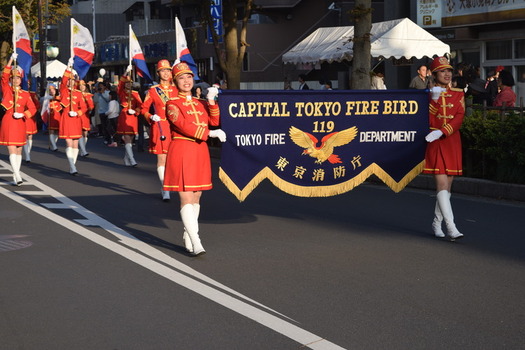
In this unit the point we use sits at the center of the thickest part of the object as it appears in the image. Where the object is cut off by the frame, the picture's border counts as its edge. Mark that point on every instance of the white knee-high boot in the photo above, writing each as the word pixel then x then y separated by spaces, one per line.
pixel 191 226
pixel 27 149
pixel 71 154
pixel 53 138
pixel 53 141
pixel 128 147
pixel 165 194
pixel 445 207
pixel 82 146
pixel 438 220
pixel 16 163
pixel 185 236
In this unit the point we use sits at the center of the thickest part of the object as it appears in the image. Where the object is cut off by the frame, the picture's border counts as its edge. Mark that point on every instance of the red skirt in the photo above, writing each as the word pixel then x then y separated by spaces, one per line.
pixel 31 128
pixel 156 145
pixel 12 131
pixel 85 122
pixel 54 120
pixel 444 156
pixel 70 127
pixel 188 166
pixel 127 124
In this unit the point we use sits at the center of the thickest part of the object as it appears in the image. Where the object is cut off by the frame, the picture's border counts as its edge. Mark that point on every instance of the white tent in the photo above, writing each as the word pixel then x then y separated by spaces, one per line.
pixel 54 69
pixel 396 38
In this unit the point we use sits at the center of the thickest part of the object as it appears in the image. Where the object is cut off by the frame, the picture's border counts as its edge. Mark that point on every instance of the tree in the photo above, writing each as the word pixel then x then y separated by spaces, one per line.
pixel 28 9
pixel 230 54
pixel 362 15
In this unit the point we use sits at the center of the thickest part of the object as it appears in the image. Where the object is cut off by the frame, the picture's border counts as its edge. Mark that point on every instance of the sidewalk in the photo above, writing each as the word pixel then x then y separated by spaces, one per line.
pixel 462 184
pixel 475 187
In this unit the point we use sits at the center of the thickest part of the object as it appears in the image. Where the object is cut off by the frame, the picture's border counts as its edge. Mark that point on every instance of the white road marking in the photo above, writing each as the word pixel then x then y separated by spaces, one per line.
pixel 265 318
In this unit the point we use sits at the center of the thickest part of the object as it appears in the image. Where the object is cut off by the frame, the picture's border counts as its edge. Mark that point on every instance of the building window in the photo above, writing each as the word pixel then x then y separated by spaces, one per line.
pixel 521 75
pixel 245 63
pixel 519 48
pixel 499 50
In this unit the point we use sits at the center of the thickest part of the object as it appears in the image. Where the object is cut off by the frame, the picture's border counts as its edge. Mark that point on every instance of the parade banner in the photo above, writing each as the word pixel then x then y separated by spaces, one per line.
pixel 321 143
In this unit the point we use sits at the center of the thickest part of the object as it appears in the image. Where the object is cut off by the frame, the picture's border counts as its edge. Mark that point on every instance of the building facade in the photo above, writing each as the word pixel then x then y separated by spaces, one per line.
pixel 484 34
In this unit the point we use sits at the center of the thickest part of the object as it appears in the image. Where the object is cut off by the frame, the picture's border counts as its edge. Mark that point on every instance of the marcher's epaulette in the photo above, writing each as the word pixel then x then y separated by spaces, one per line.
pixel 456 89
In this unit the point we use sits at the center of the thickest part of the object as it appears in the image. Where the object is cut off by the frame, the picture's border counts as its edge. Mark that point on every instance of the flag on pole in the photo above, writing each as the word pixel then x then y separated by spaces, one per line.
pixel 136 55
pixel 45 111
pixel 183 53
pixel 22 46
pixel 82 48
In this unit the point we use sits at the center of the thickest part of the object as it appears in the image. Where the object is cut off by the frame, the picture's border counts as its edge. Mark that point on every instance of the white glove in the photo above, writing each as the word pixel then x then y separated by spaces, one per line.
pixel 70 62
pixel 131 111
pixel 155 118
pixel 14 56
pixel 18 115
pixel 73 113
pixel 212 93
pixel 218 133
pixel 434 135
pixel 129 68
pixel 436 92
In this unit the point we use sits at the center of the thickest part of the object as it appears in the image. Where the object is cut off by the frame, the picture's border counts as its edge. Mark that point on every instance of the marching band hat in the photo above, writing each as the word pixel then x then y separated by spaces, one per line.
pixel 181 68
pixel 18 72
pixel 163 64
pixel 439 63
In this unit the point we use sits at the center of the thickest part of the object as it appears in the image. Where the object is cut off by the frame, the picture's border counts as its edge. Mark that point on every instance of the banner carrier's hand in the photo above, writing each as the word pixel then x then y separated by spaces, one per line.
pixel 218 133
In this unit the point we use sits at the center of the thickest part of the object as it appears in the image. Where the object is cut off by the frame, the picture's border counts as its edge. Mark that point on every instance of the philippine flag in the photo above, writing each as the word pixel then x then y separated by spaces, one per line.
pixel 22 46
pixel 183 53
pixel 82 48
pixel 45 111
pixel 135 52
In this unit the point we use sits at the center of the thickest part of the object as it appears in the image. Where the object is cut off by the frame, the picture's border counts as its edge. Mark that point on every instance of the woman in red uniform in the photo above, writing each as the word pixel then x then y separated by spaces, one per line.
pixel 127 124
pixel 19 107
pixel 157 96
pixel 31 127
pixel 73 105
pixel 86 117
pixel 52 116
pixel 188 167
pixel 443 155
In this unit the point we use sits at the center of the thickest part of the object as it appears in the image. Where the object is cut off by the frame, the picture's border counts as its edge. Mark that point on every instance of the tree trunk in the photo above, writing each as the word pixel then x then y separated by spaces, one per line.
pixel 234 40
pixel 362 15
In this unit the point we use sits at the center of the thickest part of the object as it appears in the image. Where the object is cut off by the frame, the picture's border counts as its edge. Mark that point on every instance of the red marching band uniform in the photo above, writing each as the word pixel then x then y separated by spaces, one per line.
pixel 53 118
pixel 188 167
pixel 31 127
pixel 13 132
pixel 446 114
pixel 90 105
pixel 71 100
pixel 158 96
pixel 127 124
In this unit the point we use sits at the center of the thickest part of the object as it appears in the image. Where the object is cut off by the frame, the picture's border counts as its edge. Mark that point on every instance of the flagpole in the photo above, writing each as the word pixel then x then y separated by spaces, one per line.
pixel 13 72
pixel 72 55
pixel 131 80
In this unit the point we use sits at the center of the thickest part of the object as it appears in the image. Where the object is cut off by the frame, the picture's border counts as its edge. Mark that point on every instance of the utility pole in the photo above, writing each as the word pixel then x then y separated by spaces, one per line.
pixel 42 47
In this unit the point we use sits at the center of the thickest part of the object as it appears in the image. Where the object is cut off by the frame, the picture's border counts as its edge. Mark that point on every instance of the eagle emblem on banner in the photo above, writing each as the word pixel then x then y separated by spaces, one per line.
pixel 325 151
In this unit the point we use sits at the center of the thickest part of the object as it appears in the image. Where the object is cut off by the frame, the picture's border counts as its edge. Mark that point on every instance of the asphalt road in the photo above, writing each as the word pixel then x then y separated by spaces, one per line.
pixel 97 262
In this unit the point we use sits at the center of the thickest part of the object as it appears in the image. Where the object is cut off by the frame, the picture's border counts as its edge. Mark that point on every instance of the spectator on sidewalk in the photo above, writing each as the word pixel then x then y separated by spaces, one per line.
pixel 420 81
pixel 506 97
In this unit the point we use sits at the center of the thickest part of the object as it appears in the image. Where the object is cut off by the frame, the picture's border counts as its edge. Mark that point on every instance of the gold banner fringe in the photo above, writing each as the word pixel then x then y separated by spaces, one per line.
pixel 319 191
